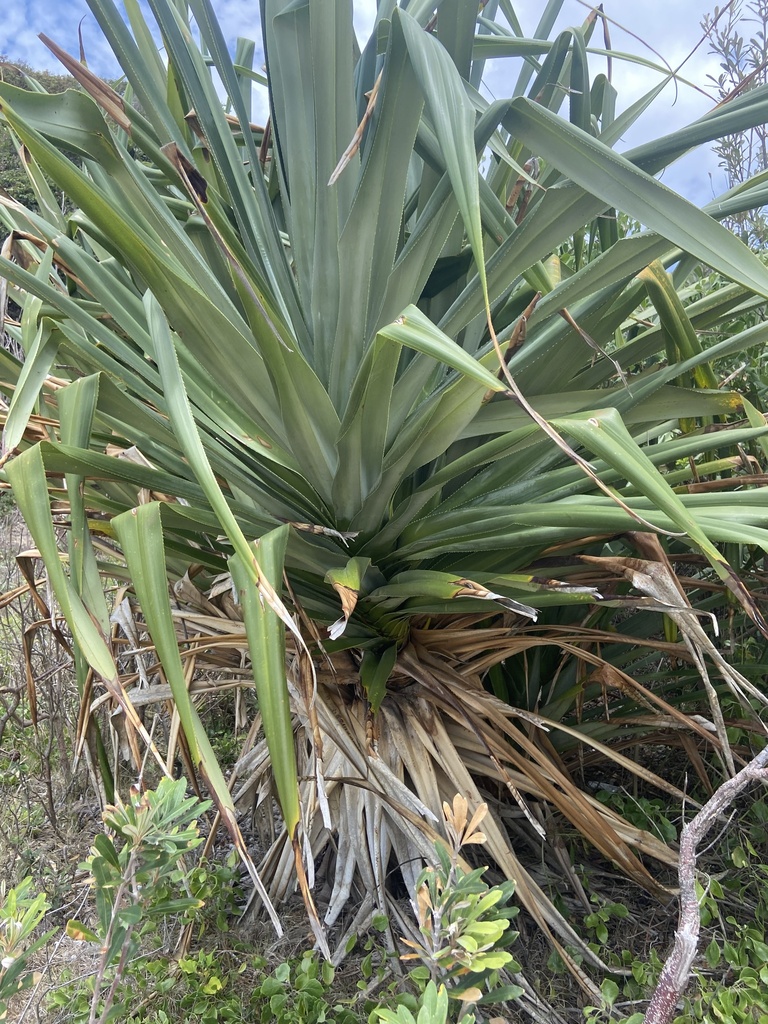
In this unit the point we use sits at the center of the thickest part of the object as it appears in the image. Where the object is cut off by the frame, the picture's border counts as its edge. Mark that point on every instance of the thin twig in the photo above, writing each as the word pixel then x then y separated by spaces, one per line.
pixel 47 967
pixel 357 138
pixel 117 906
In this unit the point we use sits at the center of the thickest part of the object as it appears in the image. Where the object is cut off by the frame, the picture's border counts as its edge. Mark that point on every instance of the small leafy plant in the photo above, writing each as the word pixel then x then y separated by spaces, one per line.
pixel 298 993
pixel 20 914
pixel 219 986
pixel 217 887
pixel 645 813
pixel 433 1009
pixel 464 924
pixel 137 885
pixel 597 922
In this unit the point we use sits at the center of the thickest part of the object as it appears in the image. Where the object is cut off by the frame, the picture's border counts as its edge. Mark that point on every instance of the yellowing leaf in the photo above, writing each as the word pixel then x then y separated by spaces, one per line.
pixel 468 995
pixel 77 931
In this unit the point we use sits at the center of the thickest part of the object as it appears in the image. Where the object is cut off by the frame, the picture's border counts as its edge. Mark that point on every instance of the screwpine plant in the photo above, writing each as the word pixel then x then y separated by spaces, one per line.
pixel 383 391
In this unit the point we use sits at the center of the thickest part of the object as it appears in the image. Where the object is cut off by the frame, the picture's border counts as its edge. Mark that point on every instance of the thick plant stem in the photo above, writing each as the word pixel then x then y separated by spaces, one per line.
pixel 677 970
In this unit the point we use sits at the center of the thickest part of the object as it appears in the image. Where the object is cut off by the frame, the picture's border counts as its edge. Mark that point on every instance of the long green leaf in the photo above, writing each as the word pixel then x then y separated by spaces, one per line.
pixel 34 371
pixel 605 434
pixel 184 424
pixel 371 234
pixel 453 119
pixel 675 321
pixel 266 641
pixel 27 476
pixel 77 408
pixel 416 331
pixel 140 533
pixel 141 538
pixel 621 184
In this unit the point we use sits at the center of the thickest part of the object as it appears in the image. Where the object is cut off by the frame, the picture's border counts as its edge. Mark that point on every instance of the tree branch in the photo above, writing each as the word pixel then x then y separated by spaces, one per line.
pixel 677 970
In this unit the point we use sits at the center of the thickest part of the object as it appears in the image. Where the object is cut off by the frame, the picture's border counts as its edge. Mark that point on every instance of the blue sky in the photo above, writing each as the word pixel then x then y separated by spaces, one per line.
pixel 673 25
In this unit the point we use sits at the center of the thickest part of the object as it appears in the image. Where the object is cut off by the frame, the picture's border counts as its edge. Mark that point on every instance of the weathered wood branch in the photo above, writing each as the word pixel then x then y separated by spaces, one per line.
pixel 677 969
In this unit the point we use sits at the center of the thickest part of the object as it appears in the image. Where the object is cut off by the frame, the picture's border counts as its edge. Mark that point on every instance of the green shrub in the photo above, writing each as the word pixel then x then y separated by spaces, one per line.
pixel 20 914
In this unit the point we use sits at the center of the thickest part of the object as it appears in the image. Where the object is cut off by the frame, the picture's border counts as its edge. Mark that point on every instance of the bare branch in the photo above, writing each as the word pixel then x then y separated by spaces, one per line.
pixel 677 970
